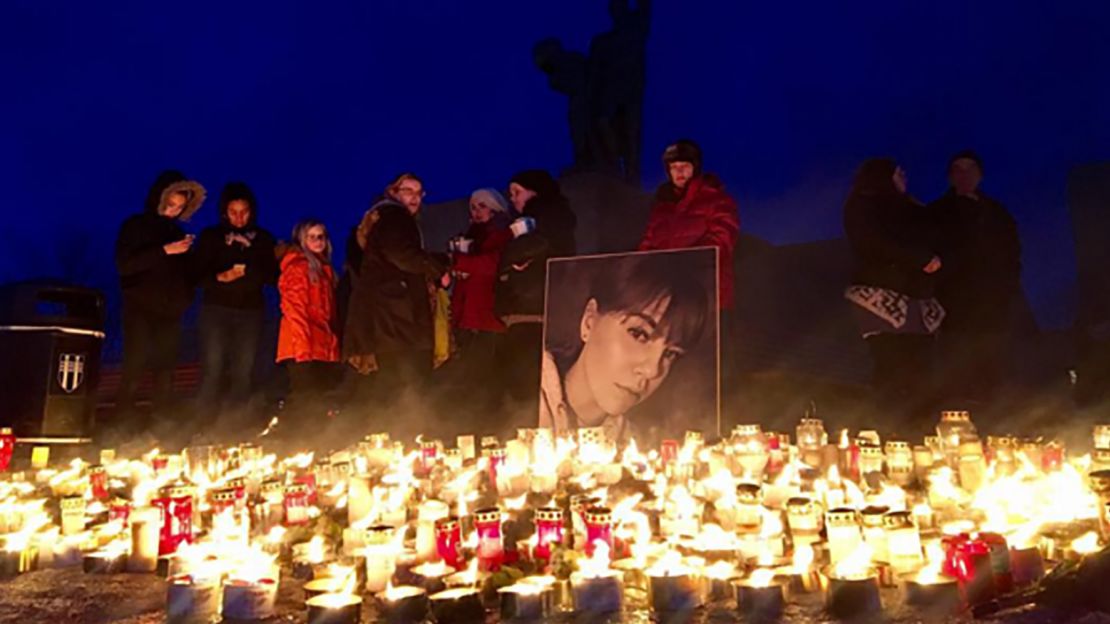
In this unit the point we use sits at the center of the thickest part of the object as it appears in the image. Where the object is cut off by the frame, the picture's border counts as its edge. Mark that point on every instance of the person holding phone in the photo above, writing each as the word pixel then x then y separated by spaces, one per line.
pixel 153 255
pixel 235 261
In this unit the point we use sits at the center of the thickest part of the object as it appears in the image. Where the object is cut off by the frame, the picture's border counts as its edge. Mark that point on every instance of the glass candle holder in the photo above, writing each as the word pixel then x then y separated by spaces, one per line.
pixel 1101 436
pixel 491 549
pixel 668 451
pixel 811 438
pixel 870 458
pixel 223 500
pixel 749 506
pixel 843 530
pixel 803 515
pixel 549 531
pixel 296 504
pixel 496 457
pixel 98 482
pixel 903 541
pixel 449 541
pixel 749 450
pixel 599 528
pixel 899 461
pixel 953 428
pixel 175 503
pixel 7 447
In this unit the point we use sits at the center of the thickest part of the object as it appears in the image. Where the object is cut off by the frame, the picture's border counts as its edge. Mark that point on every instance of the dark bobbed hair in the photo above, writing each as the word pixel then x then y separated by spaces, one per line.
pixel 875 177
pixel 633 283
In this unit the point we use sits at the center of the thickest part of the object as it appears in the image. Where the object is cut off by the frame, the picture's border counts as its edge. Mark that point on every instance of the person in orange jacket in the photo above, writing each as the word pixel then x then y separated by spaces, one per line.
pixel 307 341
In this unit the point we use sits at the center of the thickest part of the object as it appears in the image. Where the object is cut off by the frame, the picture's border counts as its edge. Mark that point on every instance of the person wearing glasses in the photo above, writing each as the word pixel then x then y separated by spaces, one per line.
pixel 307 342
pixel 389 328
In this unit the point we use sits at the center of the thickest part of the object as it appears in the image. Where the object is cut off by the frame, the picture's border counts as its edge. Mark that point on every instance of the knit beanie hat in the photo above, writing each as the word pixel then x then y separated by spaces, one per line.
pixel 683 150
pixel 492 198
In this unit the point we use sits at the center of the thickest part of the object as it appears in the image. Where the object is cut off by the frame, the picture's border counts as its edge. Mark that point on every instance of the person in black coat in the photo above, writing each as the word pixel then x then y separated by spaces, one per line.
pixel 978 239
pixel 891 236
pixel 152 256
pixel 234 260
pixel 545 229
pixel 389 315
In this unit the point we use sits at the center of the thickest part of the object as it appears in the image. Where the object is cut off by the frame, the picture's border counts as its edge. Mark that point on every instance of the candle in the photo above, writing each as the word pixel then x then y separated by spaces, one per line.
pixel 175 504
pixel 599 529
pixel 549 531
pixel 749 506
pixel 7 447
pixel 325 585
pixel 449 541
pixel 803 516
pixel 974 571
pixel 404 604
pixel 1027 566
pixel 73 515
pixel 760 596
pixel 1000 562
pixel 525 601
pixel 431 576
pixel 874 533
pixel 335 609
pixel 40 457
pixel 903 542
pixel 381 563
pixel 146 527
pixel 192 602
pixel 359 502
pixel 843 533
pixel 429 512
pixel 457 606
pixel 98 482
pixel 296 504
pixel 932 591
pixel 244 600
pixel 853 597
pixel 491 550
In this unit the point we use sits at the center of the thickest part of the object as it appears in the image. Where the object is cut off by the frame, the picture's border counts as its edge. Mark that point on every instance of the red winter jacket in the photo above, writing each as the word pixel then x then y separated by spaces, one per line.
pixel 306 333
pixel 705 215
pixel 472 299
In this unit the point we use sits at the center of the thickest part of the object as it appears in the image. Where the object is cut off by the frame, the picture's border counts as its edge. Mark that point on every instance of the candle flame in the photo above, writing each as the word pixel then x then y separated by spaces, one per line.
pixel 761 577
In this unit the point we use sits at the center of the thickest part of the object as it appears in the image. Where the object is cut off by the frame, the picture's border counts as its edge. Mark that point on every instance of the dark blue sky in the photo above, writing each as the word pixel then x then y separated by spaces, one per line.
pixel 317 104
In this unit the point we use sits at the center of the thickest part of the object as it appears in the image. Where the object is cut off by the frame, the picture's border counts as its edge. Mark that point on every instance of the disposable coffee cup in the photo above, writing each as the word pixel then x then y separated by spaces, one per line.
pixel 522 226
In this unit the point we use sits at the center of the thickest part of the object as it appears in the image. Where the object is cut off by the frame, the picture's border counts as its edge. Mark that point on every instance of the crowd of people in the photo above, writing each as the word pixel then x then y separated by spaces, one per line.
pixel 379 326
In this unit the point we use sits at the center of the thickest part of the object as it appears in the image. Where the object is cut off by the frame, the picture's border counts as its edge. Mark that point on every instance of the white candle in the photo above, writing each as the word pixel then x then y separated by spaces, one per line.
pixel 466 445
pixel 146 523
pixel 429 512
pixel 73 515
pixel 381 563
pixel 359 502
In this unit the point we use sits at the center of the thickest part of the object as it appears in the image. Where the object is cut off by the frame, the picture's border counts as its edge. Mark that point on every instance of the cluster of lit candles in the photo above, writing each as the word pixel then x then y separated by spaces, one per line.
pixel 539 525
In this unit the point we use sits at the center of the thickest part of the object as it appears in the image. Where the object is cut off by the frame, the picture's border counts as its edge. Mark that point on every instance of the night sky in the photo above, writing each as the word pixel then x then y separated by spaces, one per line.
pixel 316 105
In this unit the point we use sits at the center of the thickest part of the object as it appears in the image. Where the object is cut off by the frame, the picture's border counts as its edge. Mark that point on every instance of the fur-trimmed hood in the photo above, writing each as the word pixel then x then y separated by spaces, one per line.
pixel 169 182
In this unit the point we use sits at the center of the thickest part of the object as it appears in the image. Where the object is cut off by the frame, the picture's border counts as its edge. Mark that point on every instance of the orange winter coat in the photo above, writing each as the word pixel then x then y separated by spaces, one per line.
pixel 307 331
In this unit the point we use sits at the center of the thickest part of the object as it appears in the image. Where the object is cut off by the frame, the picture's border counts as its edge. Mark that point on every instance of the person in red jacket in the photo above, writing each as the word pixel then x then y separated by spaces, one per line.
pixel 692 209
pixel 307 341
pixel 475 257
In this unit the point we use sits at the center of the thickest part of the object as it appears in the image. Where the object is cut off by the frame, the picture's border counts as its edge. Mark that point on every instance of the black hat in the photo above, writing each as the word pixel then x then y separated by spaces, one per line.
pixel 537 180
pixel 683 150
pixel 968 154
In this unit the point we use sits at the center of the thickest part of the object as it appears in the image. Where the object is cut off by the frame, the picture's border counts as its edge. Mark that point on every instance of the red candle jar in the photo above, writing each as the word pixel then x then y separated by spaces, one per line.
pixel 296 504
pixel 223 501
pixel 449 542
pixel 1052 456
pixel 599 528
pixel 119 510
pixel 668 451
pixel 308 480
pixel 98 482
pixel 491 549
pixel 1000 562
pixel 951 544
pixel 579 503
pixel 239 485
pixel 549 531
pixel 175 502
pixel 159 463
pixel 974 571
pixel 7 447
pixel 775 461
pixel 429 455
pixel 496 458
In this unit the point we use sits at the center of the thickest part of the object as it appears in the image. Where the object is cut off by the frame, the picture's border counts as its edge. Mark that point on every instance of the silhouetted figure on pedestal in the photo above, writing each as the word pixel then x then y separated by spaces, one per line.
pixel 617 69
pixel 567 74
pixel 605 90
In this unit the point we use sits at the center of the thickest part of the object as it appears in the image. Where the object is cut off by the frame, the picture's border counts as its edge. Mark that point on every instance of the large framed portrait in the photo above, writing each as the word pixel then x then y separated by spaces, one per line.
pixel 631 344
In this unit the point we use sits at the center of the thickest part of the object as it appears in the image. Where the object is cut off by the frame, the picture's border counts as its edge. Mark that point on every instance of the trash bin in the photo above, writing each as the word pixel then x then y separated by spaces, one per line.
pixel 51 335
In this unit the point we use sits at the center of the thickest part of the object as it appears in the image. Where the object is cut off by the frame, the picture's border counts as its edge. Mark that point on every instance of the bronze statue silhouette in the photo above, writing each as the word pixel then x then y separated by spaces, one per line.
pixel 605 90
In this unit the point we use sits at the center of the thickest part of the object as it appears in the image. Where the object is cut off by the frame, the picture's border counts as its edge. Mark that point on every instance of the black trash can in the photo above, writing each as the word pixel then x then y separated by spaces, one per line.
pixel 51 335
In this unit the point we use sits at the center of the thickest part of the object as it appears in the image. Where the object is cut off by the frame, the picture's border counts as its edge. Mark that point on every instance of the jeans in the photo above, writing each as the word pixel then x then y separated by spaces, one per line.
pixel 150 343
pixel 228 346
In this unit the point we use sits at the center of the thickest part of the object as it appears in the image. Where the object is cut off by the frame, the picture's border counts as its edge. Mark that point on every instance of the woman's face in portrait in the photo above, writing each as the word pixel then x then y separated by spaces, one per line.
pixel 625 355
